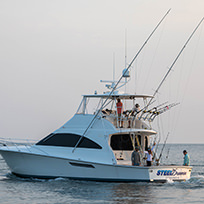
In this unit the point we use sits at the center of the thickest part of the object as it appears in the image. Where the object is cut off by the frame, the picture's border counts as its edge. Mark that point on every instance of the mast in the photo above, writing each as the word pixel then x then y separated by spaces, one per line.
pixel 124 73
pixel 174 62
pixel 125 47
pixel 125 59
pixel 113 66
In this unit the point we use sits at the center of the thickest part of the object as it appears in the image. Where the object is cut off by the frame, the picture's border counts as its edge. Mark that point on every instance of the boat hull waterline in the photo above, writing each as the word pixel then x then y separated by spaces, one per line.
pixel 30 165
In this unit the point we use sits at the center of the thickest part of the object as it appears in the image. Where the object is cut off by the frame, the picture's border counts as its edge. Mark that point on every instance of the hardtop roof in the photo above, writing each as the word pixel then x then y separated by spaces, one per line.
pixel 121 96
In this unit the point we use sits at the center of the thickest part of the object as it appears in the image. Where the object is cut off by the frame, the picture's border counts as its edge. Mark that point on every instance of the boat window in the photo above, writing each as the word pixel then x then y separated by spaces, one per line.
pixel 146 143
pixel 121 142
pixel 68 140
pixel 46 138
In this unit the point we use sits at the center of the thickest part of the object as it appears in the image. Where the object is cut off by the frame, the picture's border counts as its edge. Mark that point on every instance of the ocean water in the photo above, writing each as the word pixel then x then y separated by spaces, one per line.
pixel 60 191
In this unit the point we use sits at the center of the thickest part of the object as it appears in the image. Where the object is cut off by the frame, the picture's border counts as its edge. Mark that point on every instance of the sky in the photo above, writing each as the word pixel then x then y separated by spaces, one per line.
pixel 54 51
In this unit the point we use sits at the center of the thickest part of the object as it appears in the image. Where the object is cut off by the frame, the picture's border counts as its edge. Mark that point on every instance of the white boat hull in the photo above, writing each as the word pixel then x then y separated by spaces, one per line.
pixel 41 166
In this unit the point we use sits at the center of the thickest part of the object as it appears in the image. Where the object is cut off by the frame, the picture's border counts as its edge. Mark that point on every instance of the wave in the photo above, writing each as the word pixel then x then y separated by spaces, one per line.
pixel 199 179
pixel 196 181
pixel 170 181
pixel 14 177
pixel 198 165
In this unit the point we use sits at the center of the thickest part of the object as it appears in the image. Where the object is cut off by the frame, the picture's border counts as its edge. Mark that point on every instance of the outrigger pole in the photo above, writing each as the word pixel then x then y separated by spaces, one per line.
pixel 174 62
pixel 168 74
pixel 124 73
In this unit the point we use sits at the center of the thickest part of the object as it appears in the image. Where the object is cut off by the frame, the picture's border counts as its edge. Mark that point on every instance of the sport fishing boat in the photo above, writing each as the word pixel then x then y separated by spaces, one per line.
pixel 97 142
pixel 92 145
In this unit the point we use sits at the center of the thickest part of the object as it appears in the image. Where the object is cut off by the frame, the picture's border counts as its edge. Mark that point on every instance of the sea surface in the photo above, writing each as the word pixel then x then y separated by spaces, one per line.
pixel 59 191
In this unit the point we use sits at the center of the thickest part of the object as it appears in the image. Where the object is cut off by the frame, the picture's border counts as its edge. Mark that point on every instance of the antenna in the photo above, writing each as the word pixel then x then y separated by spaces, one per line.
pixel 113 66
pixel 126 75
pixel 125 47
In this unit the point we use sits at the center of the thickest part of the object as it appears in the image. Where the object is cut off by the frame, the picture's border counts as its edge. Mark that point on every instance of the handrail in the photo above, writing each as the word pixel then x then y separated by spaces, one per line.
pixel 10 142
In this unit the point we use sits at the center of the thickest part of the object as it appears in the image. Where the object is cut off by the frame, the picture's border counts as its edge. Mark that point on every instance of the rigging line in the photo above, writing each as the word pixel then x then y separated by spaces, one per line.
pixel 182 98
pixel 120 79
pixel 163 147
pixel 177 57
pixel 135 69
pixel 157 144
pixel 186 86
pixel 180 75
pixel 191 67
pixel 140 69
pixel 107 104
pixel 159 134
pixel 180 80
pixel 175 115
pixel 153 58
pixel 162 126
pixel 168 95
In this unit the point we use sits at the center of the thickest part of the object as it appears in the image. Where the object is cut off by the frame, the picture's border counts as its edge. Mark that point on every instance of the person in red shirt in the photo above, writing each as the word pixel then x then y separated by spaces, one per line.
pixel 119 105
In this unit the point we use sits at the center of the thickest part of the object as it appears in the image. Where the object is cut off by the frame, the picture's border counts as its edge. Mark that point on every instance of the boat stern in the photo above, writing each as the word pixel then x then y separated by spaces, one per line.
pixel 170 173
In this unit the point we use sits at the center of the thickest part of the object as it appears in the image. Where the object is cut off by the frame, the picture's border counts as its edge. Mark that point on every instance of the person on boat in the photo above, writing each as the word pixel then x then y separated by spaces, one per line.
pixel 119 105
pixel 135 157
pixel 186 158
pixel 149 154
pixel 136 109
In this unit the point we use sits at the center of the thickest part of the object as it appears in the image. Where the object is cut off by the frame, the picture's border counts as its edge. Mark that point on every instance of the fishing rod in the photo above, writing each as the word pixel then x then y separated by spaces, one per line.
pixel 162 110
pixel 162 148
pixel 174 62
pixel 167 107
pixel 137 112
pixel 156 107
pixel 156 145
pixel 142 110
pixel 149 112
pixel 167 155
pixel 124 73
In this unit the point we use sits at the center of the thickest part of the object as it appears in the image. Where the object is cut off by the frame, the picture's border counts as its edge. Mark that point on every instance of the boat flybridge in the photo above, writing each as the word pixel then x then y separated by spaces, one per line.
pixel 93 145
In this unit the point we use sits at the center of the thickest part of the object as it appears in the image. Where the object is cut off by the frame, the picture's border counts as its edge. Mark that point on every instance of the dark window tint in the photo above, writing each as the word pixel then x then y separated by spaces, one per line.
pixel 87 143
pixel 146 143
pixel 68 140
pixel 121 142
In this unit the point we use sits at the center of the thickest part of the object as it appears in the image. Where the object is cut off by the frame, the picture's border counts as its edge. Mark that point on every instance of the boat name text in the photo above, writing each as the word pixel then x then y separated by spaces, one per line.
pixel 170 173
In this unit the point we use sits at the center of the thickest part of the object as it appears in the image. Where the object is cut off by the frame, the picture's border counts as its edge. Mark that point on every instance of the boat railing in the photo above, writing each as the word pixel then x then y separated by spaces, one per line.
pixel 128 121
pixel 10 143
pixel 15 142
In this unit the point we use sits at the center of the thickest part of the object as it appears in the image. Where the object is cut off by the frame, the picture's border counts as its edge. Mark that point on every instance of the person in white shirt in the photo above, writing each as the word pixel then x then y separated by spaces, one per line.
pixel 135 111
pixel 149 154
